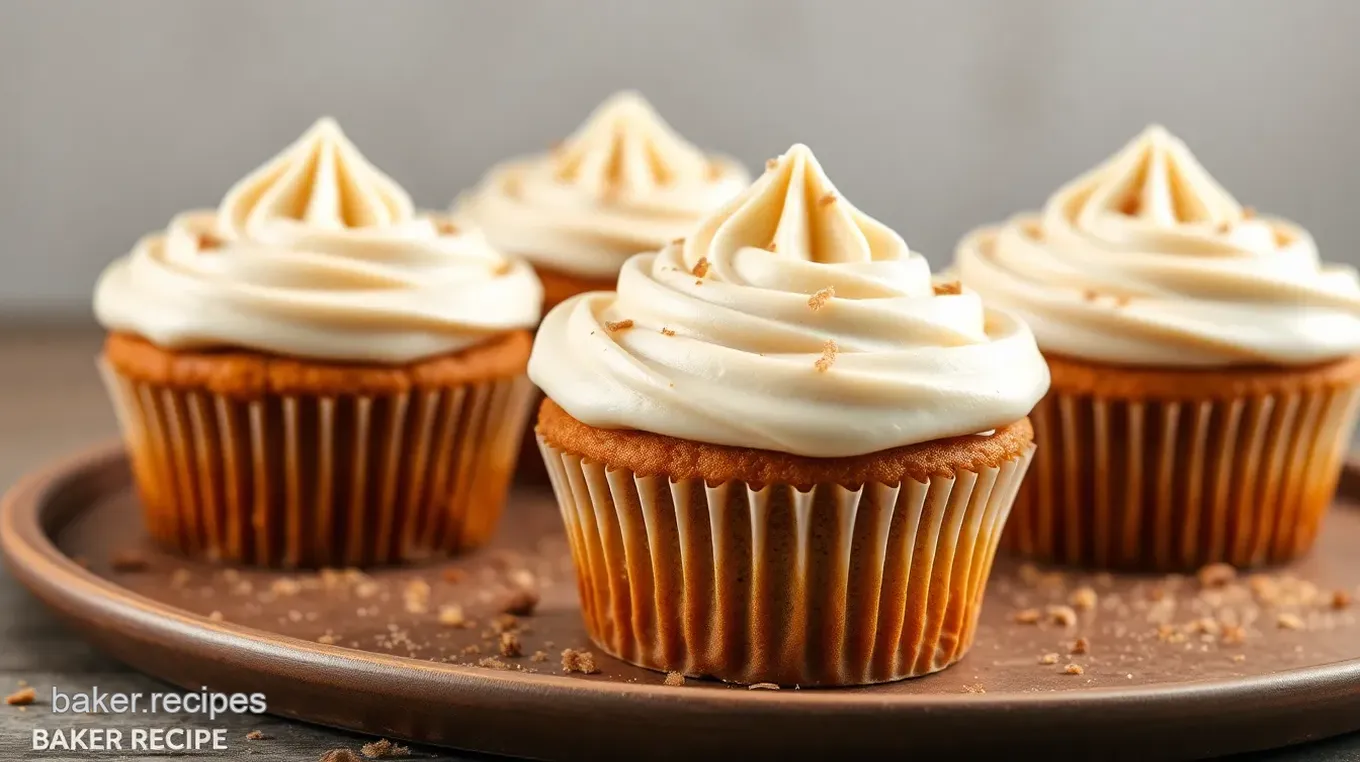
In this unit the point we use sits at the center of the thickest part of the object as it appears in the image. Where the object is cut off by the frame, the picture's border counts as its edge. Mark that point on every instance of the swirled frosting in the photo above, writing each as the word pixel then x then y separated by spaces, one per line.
pixel 1148 261
pixel 624 183
pixel 788 321
pixel 318 254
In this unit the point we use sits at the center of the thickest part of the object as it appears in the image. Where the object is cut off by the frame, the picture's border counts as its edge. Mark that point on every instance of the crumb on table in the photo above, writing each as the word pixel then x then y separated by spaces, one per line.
pixel 383 749
pixel 579 661
pixel 22 697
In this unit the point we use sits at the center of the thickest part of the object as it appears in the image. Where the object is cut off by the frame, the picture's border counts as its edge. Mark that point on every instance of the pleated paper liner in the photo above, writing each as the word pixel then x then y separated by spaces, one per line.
pixel 1175 485
pixel 830 586
pixel 297 481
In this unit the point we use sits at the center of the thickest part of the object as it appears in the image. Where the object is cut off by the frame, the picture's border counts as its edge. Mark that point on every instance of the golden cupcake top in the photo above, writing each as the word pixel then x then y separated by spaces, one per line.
pixel 1148 260
pixel 622 183
pixel 318 254
pixel 789 320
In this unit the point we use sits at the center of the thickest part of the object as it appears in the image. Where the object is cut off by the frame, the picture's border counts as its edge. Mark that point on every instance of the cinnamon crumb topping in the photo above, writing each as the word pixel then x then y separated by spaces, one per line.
pixel 772 247
pixel 618 325
pixel 579 661
pixel 1233 634
pixel 208 242
pixel 446 227
pixel 674 679
pixel 383 749
pixel 1340 599
pixel 22 697
pixel 1083 598
pixel 1239 658
pixel 827 200
pixel 1062 615
pixel 771 164
pixel 828 358
pixel 1216 575
pixel 819 299
pixel 1028 616
pixel 700 267
pixel 510 645
pixel 539 656
pixel 255 735
pixel 472 650
pixel 452 616
pixel 667 332
pixel 1288 621
pixel 340 755
pixel 1090 295
pixel 952 288
pixel 505 623
pixel 1048 659
pixel 1073 669
pixel 492 662
pixel 1080 646
pixel 523 601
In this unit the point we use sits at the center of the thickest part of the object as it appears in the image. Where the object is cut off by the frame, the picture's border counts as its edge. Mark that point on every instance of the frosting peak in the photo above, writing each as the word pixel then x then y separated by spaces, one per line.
pixel 318 254
pixel 1146 260
pixel 834 344
pixel 320 181
pixel 626 149
pixel 795 210
pixel 622 183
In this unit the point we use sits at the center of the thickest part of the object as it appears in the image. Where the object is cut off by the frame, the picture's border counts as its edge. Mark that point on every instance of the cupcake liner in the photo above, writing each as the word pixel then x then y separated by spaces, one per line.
pixel 827 586
pixel 1174 485
pixel 297 481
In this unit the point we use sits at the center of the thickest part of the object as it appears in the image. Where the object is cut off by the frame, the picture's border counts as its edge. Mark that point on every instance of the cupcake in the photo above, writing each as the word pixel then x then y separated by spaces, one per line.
pixel 317 374
pixel 781 454
pixel 624 183
pixel 1204 367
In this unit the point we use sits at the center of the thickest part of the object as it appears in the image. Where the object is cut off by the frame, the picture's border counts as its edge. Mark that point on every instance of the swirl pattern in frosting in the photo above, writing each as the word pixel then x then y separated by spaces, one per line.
pixel 319 255
pixel 1147 261
pixel 788 321
pixel 624 183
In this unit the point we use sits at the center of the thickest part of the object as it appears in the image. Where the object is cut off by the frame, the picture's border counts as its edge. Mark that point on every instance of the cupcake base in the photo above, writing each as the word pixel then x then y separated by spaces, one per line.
pixel 277 462
pixel 1170 470
pixel 750 566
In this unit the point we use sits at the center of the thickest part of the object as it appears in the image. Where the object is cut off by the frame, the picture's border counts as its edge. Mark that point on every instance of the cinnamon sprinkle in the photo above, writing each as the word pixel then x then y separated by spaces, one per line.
pixel 827 200
pixel 700 267
pixel 678 241
pixel 952 288
pixel 771 164
pixel 828 358
pixel 618 325
pixel 667 332
pixel 819 299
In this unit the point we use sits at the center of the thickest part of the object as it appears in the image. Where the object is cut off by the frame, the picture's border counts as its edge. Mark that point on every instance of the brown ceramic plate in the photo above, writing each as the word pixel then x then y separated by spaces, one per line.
pixel 1171 669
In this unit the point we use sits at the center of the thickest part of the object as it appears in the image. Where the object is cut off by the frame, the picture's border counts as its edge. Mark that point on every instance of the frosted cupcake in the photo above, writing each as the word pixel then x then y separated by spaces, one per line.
pixel 780 453
pixel 1204 367
pixel 624 183
pixel 316 373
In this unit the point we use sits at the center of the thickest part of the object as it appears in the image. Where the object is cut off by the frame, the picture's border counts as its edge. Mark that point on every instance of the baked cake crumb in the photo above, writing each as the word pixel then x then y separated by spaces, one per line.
pixel 22 697
pixel 492 662
pixel 1048 659
pixel 510 645
pixel 1062 615
pixel 1216 575
pixel 539 656
pixel 819 299
pixel 674 679
pixel 452 616
pixel 667 332
pixel 700 268
pixel 521 602
pixel 1073 669
pixel 255 735
pixel 1084 598
pixel 383 749
pixel 1239 658
pixel 1027 616
pixel 618 325
pixel 1080 646
pixel 578 661
pixel 129 561
pixel 829 350
pixel 763 687
pixel 1288 621
pixel 1340 599
pixel 1233 634
pixel 340 755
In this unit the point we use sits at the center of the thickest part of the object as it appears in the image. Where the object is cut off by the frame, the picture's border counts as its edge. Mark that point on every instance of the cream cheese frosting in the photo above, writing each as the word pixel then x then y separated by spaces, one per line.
pixel 318 254
pixel 1147 261
pixel 623 183
pixel 788 321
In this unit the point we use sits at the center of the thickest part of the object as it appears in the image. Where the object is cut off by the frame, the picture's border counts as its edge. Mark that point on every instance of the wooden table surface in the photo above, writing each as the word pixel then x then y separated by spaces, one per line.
pixel 51 404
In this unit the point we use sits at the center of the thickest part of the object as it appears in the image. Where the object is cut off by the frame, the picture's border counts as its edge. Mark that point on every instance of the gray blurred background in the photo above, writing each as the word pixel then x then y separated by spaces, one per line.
pixel 932 116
